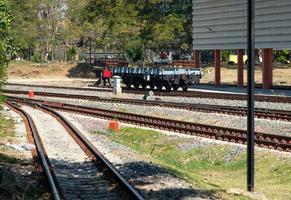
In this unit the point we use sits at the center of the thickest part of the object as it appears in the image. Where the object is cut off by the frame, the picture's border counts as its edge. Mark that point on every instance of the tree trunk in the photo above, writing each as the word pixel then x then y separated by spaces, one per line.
pixel 65 55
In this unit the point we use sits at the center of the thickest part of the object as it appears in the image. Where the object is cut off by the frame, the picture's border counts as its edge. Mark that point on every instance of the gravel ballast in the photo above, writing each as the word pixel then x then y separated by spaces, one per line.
pixel 236 122
pixel 73 169
pixel 151 180
pixel 265 105
pixel 19 178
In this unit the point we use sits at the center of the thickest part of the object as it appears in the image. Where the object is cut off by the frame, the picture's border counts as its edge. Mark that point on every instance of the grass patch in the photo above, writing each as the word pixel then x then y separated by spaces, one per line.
pixel 122 110
pixel 212 167
pixel 6 127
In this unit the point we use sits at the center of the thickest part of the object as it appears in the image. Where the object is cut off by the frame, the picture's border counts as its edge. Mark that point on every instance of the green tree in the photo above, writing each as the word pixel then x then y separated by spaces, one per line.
pixel 40 27
pixel 282 56
pixel 24 25
pixel 124 23
pixel 6 43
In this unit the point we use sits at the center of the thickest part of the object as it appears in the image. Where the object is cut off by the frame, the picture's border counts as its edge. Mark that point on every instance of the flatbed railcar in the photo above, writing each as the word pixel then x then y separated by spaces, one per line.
pixel 158 77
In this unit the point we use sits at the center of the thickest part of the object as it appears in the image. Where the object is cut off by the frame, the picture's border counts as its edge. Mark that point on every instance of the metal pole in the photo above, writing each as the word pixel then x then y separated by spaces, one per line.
pixel 90 50
pixel 251 97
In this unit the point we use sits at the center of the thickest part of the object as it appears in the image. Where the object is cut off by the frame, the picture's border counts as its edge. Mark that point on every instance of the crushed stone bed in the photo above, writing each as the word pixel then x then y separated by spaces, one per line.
pixel 151 180
pixel 19 180
pixel 266 105
pixel 73 169
pixel 236 122
pixel 140 171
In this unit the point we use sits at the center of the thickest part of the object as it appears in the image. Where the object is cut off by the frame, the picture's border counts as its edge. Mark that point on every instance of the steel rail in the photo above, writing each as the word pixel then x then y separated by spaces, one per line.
pixel 237 111
pixel 90 150
pixel 193 94
pixel 39 147
pixel 134 194
pixel 278 142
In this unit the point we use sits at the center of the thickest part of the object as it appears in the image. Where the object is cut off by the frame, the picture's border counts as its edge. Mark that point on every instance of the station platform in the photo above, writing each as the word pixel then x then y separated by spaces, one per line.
pixel 238 90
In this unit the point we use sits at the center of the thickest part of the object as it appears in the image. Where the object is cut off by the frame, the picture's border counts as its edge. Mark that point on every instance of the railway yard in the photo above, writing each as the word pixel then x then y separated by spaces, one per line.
pixel 154 100
pixel 155 155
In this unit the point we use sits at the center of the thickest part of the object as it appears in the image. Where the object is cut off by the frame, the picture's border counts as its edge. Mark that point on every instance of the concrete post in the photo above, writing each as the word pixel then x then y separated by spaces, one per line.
pixel 217 55
pixel 240 69
pixel 117 85
pixel 267 68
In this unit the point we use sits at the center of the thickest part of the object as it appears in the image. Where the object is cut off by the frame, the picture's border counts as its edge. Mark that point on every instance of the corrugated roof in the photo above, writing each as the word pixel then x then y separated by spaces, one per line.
pixel 221 24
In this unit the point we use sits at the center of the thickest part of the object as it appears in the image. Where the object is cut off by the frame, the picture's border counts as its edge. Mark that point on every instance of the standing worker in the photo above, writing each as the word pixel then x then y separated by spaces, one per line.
pixel 98 72
pixel 106 76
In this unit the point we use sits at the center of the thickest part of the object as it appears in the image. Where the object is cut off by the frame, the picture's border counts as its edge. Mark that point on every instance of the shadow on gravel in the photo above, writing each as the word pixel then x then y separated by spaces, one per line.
pixel 152 181
pixel 161 183
pixel 81 70
pixel 18 180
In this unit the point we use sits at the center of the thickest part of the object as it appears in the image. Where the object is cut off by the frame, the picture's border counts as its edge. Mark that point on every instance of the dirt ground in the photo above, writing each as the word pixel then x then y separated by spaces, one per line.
pixel 26 70
pixel 281 75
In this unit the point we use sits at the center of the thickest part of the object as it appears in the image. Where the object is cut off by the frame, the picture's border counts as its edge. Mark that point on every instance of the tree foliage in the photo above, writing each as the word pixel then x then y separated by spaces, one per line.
pixel 49 29
pixel 7 49
pixel 124 23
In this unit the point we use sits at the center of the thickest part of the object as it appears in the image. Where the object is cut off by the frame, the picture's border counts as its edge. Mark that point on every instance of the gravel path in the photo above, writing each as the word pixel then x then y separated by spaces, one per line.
pixel 77 175
pixel 266 105
pixel 153 181
pixel 237 122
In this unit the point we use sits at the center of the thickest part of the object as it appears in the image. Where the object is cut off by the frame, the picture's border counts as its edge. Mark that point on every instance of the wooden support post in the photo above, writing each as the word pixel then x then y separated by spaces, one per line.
pixel 240 69
pixel 267 68
pixel 197 58
pixel 217 55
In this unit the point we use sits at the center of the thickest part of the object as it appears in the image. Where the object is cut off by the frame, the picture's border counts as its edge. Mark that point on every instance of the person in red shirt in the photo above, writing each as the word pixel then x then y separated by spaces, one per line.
pixel 107 74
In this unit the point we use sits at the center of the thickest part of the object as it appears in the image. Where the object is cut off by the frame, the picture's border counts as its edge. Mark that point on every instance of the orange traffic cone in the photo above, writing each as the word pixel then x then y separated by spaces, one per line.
pixel 31 93
pixel 114 125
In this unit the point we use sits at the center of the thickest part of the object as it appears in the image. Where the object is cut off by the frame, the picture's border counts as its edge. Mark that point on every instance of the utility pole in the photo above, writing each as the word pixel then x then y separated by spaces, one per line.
pixel 90 50
pixel 251 96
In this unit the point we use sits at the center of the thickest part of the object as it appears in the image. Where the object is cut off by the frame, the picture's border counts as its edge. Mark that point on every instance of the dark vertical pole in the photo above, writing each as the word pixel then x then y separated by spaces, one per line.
pixel 251 68
pixel 240 68
pixel 90 50
pixel 217 57
pixel 29 53
pixel 197 58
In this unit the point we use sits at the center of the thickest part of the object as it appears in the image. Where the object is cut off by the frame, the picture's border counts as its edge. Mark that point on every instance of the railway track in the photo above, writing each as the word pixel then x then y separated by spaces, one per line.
pixel 39 154
pixel 194 94
pixel 93 180
pixel 272 141
pixel 237 111
pixel 258 85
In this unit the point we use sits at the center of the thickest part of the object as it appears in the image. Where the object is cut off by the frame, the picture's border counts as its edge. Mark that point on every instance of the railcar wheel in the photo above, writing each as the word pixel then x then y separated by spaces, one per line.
pixel 175 87
pixel 167 86
pixel 159 86
pixel 144 86
pixel 185 88
pixel 136 85
pixel 128 86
